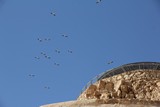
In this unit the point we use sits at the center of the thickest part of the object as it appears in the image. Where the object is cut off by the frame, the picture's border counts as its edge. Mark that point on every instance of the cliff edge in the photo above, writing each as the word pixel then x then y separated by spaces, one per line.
pixel 140 87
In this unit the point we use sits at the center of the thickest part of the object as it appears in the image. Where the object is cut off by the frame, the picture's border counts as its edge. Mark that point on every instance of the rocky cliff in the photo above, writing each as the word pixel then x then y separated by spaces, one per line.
pixel 140 87
pixel 135 85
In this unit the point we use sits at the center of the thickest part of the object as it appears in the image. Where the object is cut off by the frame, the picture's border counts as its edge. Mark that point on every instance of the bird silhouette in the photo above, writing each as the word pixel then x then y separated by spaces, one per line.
pixel 98 1
pixel 43 53
pixel 53 13
pixel 64 35
pixel 47 57
pixel 40 40
pixel 47 87
pixel 31 75
pixel 56 64
pixel 47 39
pixel 36 57
pixel 110 62
pixel 69 51
pixel 57 51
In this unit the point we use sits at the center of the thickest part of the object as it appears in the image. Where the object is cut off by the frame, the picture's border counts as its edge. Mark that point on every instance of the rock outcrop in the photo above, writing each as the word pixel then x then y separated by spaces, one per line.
pixel 137 85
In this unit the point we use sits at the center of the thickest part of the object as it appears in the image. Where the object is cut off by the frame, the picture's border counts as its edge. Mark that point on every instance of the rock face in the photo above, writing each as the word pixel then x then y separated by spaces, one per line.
pixel 139 87
pixel 96 103
pixel 133 85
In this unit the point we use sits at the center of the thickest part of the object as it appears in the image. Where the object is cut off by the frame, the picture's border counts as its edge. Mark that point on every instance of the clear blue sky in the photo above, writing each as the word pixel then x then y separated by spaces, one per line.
pixel 123 31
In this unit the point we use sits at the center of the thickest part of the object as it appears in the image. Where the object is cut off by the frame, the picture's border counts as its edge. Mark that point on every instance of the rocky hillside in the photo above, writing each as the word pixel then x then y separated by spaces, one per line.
pixel 95 103
pixel 124 90
pixel 134 86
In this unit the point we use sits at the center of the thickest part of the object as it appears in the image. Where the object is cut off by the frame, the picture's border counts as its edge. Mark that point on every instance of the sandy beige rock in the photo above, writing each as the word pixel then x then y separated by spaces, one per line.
pixel 140 88
pixel 91 89
pixel 105 96
pixel 118 84
pixel 148 95
pixel 101 85
pixel 95 103
pixel 124 88
pixel 138 84
pixel 114 95
pixel 119 77
pixel 97 95
pixel 158 84
pixel 130 96
pixel 109 86
pixel 119 94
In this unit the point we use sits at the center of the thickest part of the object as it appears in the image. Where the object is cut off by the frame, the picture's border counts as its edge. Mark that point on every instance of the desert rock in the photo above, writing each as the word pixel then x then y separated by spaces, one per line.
pixel 138 85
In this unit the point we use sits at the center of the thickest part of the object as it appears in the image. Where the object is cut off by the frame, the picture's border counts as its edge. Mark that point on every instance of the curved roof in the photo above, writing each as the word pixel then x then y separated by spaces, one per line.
pixel 131 67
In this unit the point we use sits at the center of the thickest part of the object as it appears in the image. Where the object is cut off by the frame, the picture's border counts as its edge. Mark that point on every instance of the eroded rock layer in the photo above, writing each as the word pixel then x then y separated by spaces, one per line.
pixel 139 85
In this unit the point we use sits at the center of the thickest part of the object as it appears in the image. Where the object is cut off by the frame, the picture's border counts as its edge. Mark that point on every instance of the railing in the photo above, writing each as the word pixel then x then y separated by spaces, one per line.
pixel 121 69
pixel 92 81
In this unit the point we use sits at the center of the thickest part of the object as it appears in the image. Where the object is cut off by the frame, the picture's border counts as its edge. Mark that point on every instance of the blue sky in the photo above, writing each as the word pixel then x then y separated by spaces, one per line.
pixel 123 31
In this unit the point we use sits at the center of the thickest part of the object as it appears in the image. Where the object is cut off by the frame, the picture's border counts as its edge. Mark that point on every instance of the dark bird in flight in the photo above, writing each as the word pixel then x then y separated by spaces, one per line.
pixel 56 64
pixel 57 51
pixel 48 57
pixel 43 53
pixel 36 57
pixel 98 1
pixel 47 87
pixel 40 40
pixel 32 75
pixel 64 35
pixel 69 51
pixel 53 13
pixel 110 62
pixel 47 39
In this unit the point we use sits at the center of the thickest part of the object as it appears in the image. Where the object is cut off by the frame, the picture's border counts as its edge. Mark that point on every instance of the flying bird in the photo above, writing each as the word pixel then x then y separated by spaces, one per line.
pixel 36 57
pixel 48 57
pixel 64 35
pixel 43 53
pixel 98 1
pixel 40 40
pixel 110 62
pixel 47 39
pixel 47 87
pixel 56 64
pixel 32 75
pixel 57 51
pixel 69 51
pixel 53 13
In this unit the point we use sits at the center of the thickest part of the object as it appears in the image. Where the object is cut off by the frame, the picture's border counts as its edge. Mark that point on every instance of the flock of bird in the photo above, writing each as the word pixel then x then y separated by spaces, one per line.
pixel 45 55
pixel 54 13
pixel 45 39
pixel 98 1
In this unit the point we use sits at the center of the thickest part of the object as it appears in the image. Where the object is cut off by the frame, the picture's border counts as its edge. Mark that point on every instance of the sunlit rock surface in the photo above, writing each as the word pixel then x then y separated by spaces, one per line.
pixel 140 87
